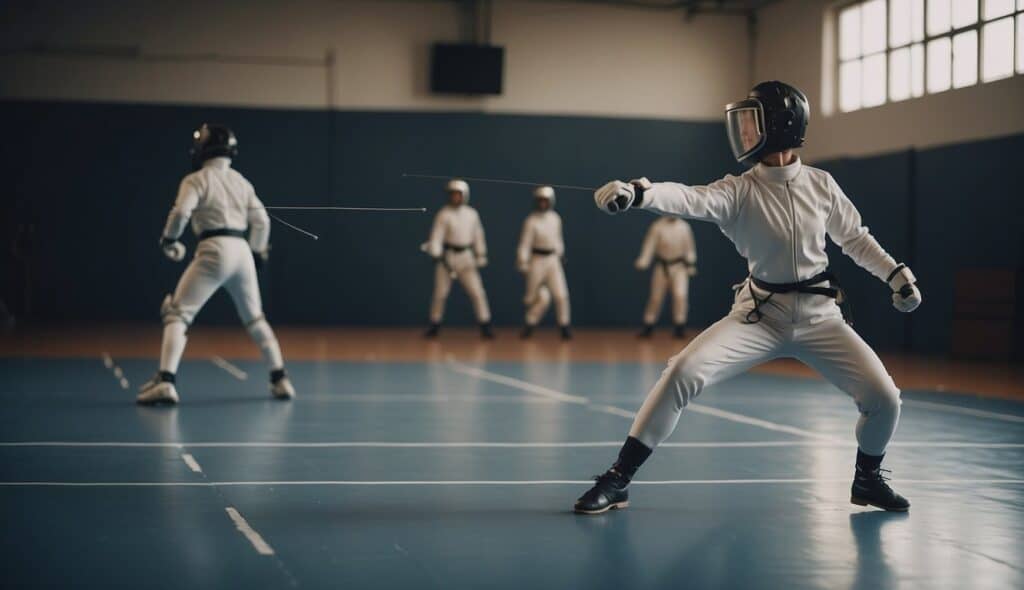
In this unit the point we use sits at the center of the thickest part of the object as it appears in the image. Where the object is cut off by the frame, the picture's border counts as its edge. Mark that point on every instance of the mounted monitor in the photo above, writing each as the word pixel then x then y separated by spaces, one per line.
pixel 459 68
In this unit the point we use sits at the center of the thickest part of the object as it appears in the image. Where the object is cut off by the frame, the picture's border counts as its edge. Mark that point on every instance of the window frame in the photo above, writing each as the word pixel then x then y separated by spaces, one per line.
pixel 1016 15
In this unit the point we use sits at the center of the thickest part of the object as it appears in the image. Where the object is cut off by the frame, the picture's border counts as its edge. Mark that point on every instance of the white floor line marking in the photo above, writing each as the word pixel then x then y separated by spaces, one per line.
pixel 426 398
pixel 109 363
pixel 966 411
pixel 617 411
pixel 243 527
pixel 838 444
pixel 191 462
pixel 541 482
pixel 230 368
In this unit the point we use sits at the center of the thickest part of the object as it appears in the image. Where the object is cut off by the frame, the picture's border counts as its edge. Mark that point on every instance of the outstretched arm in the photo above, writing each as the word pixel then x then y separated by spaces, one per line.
pixel 718 202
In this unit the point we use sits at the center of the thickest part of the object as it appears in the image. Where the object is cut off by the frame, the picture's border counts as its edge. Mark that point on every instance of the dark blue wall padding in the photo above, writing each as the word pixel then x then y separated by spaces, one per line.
pixel 95 180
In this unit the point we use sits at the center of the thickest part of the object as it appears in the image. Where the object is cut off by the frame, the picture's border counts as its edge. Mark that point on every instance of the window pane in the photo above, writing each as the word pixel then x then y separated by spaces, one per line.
pixel 1020 40
pixel 872 19
pixel 873 79
pixel 849 33
pixel 849 85
pixel 899 74
pixel 917 19
pixel 917 70
pixel 965 12
pixel 997 8
pixel 899 22
pixel 965 59
pixel 939 78
pixel 938 16
pixel 997 50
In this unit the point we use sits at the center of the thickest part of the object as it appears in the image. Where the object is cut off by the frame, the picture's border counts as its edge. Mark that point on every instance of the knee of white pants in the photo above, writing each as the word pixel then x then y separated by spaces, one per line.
pixel 171 311
pixel 686 379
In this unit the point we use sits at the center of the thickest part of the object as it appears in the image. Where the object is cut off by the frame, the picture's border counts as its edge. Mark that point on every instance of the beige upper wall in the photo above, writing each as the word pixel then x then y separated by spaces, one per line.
pixel 560 58
pixel 790 48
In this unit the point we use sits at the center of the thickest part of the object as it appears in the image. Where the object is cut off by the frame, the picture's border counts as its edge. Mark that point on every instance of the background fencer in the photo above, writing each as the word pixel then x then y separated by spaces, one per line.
pixel 777 214
pixel 670 246
pixel 459 250
pixel 222 206
pixel 539 257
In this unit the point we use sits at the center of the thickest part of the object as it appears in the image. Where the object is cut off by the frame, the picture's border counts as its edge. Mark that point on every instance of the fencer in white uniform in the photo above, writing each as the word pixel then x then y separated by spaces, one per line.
pixel 222 206
pixel 778 215
pixel 539 257
pixel 670 247
pixel 459 250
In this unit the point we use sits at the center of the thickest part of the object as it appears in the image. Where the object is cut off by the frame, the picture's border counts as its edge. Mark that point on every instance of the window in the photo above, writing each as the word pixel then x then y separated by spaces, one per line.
pixel 893 50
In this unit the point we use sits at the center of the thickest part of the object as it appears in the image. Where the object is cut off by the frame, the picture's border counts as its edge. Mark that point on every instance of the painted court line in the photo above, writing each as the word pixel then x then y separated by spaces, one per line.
pixel 542 482
pixel 243 527
pixel 503 445
pixel 108 362
pixel 966 411
pixel 617 411
pixel 230 368
pixel 191 462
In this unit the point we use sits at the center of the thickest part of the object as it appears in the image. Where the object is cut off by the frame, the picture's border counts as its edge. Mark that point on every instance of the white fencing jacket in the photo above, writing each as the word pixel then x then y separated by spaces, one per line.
pixel 218 197
pixel 668 239
pixel 457 226
pixel 778 218
pixel 542 230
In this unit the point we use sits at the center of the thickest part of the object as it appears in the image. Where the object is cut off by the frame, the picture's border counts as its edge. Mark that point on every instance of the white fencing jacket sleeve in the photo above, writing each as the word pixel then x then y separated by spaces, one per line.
pixel 259 224
pixel 479 242
pixel 525 244
pixel 848 232
pixel 647 248
pixel 184 205
pixel 435 244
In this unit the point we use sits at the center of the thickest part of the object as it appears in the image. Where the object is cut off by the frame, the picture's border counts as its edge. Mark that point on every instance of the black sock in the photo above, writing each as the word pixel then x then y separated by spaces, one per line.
pixel 276 375
pixel 166 377
pixel 631 457
pixel 867 462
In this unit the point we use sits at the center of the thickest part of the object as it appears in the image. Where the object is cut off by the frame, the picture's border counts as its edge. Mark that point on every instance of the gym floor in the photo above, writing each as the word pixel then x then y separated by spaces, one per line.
pixel 456 463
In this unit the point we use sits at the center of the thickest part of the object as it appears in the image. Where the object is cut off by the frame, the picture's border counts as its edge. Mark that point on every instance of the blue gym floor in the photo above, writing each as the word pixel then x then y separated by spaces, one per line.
pixel 447 475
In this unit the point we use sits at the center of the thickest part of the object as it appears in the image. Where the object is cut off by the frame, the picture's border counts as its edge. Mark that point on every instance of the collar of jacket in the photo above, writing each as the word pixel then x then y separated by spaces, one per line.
pixel 779 173
pixel 218 162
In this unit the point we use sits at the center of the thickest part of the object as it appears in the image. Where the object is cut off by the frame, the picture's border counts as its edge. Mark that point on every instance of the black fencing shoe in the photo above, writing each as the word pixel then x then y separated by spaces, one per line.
pixel 647 331
pixel 527 333
pixel 870 489
pixel 486 332
pixel 432 331
pixel 609 492
pixel 566 333
pixel 679 331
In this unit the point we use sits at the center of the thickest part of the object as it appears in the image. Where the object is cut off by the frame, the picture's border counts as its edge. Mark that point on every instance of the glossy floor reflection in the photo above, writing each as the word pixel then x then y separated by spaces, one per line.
pixel 445 475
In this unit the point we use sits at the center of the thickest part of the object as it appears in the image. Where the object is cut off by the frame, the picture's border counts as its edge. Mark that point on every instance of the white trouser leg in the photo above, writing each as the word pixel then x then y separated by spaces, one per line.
pixel 725 349
pixel 201 279
pixel 470 279
pixel 442 286
pixel 559 290
pixel 659 284
pixel 836 351
pixel 680 294
pixel 244 288
pixel 538 296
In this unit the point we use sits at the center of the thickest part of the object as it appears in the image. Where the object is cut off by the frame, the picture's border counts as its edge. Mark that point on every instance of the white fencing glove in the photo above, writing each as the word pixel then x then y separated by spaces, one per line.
pixel 642 264
pixel 173 249
pixel 906 297
pixel 617 196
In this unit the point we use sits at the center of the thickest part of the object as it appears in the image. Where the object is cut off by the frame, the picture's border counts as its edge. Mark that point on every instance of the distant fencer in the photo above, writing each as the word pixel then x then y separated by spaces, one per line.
pixel 670 246
pixel 223 208
pixel 459 250
pixel 778 215
pixel 539 257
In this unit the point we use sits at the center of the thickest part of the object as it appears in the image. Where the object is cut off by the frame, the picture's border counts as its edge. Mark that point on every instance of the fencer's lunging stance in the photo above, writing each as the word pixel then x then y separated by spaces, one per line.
pixel 459 250
pixel 222 206
pixel 777 214
pixel 539 257
pixel 669 245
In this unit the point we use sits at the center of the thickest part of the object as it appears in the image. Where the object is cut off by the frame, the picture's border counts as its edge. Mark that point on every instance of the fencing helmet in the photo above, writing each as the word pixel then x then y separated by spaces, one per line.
pixel 457 185
pixel 210 141
pixel 771 119
pixel 545 192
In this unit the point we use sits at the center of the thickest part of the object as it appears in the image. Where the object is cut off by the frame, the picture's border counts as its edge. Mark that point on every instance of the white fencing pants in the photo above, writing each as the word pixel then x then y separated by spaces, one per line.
pixel 545 282
pixel 463 266
pixel 730 347
pixel 676 279
pixel 219 262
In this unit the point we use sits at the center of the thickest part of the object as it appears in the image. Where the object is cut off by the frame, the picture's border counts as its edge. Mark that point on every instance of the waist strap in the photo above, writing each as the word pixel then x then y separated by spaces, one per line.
pixel 456 247
pixel 221 231
pixel 834 290
pixel 543 251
